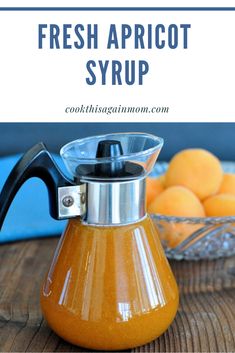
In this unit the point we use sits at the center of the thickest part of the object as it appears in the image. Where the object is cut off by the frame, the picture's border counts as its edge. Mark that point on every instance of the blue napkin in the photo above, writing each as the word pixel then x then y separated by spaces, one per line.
pixel 28 216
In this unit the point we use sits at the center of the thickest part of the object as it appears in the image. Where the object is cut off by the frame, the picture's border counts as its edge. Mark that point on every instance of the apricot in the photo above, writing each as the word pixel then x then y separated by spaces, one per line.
pixel 220 205
pixel 177 201
pixel 198 170
pixel 228 184
pixel 181 202
pixel 154 187
pixel 175 233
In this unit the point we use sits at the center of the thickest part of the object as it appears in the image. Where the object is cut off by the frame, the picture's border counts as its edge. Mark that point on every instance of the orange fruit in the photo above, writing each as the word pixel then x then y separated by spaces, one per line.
pixel 181 202
pixel 176 233
pixel 220 205
pixel 154 187
pixel 177 201
pixel 228 184
pixel 198 170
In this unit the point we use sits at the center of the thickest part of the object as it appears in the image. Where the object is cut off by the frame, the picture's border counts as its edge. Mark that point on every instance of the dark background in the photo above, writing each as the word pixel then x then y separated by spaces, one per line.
pixel 219 138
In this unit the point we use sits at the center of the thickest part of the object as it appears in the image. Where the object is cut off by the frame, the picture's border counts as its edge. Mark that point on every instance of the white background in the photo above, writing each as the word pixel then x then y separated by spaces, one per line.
pixel 197 84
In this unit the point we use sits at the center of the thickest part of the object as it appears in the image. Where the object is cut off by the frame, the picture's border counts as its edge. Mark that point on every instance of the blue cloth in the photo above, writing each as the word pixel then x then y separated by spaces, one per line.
pixel 28 216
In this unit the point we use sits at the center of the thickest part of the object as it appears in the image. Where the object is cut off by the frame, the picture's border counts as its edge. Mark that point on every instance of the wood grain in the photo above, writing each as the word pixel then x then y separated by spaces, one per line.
pixel 205 321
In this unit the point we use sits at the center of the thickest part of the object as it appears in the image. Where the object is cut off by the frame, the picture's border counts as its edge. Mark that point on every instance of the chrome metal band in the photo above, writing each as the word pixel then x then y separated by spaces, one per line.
pixel 115 203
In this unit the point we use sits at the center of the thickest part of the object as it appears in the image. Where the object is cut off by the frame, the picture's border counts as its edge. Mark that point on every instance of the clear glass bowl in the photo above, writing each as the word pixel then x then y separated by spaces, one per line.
pixel 210 237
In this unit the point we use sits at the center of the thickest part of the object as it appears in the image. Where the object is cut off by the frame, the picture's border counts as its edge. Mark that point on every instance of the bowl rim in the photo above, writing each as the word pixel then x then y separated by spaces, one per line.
pixel 193 220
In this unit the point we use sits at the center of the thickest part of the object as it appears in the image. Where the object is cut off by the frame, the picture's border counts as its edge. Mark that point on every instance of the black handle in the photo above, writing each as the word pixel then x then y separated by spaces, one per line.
pixel 37 162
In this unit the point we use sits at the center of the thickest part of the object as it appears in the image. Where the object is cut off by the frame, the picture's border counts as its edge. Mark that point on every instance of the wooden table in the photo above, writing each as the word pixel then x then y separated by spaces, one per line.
pixel 205 321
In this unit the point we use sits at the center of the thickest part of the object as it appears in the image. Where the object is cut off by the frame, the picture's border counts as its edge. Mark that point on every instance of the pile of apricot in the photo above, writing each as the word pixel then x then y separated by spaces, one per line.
pixel 194 185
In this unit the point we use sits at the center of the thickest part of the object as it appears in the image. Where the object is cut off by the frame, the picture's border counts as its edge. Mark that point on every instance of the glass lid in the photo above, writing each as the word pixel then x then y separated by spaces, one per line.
pixel 112 157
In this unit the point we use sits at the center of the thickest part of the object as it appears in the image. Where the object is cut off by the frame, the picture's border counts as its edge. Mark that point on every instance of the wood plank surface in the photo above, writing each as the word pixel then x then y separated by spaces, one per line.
pixel 205 321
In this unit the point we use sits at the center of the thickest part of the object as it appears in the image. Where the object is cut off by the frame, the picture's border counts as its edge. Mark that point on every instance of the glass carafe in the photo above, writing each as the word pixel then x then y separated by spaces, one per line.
pixel 109 286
